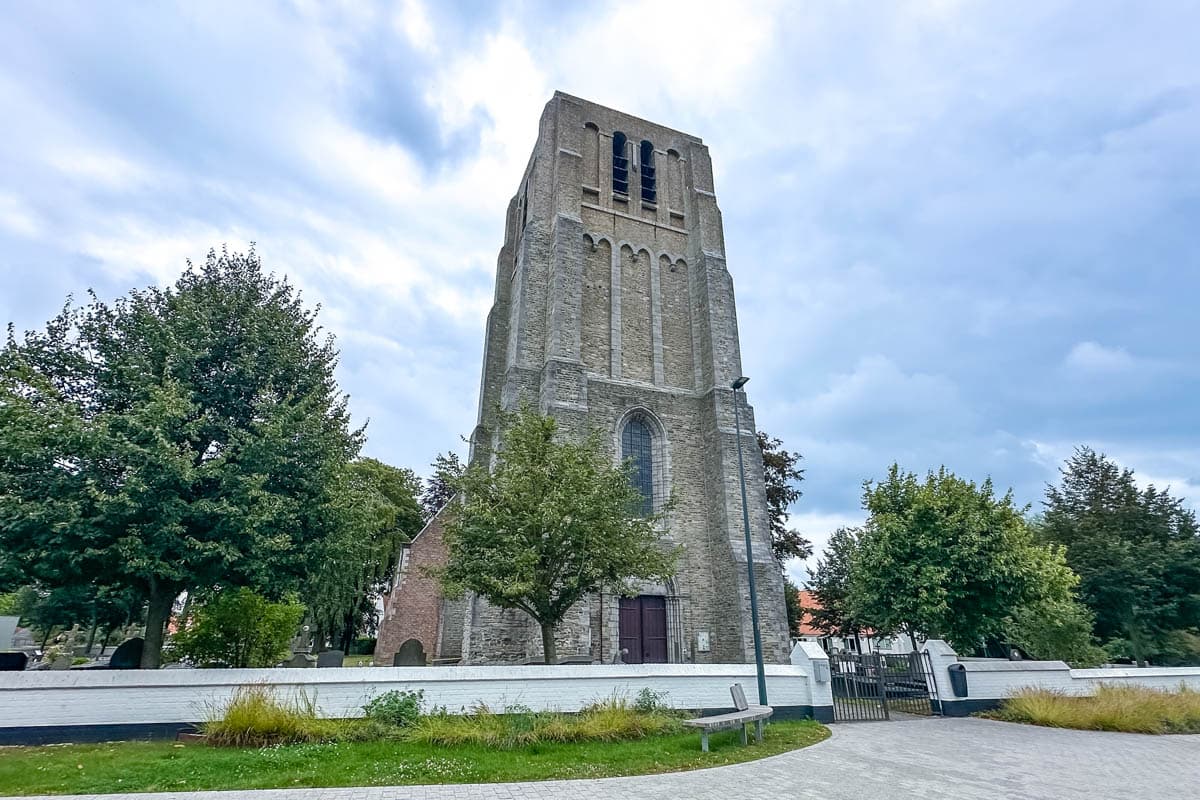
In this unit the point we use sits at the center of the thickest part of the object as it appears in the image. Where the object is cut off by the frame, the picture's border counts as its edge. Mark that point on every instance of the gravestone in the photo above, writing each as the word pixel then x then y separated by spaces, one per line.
pixel 13 662
pixel 128 655
pixel 8 629
pixel 330 658
pixel 300 661
pixel 411 654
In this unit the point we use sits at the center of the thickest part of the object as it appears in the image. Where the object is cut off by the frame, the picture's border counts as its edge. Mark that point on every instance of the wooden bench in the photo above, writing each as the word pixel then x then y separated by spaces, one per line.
pixel 745 713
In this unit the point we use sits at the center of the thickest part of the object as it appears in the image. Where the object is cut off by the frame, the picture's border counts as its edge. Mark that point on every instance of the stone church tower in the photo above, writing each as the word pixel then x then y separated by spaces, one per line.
pixel 614 310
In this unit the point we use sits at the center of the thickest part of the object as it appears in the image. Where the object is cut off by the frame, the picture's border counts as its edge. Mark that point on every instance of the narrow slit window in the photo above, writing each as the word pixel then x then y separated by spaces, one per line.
pixel 620 164
pixel 649 180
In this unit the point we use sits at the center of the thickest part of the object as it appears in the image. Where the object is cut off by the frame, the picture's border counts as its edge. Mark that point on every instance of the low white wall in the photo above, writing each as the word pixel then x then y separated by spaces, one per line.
pixel 990 681
pixel 132 697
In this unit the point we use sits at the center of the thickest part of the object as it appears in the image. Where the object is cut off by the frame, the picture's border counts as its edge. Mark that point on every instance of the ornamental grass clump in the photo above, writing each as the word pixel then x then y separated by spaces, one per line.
pixel 1129 709
pixel 256 717
pixel 610 720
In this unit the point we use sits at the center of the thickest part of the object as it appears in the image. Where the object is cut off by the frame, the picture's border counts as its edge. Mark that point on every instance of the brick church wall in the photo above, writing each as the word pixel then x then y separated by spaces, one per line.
pixel 413 607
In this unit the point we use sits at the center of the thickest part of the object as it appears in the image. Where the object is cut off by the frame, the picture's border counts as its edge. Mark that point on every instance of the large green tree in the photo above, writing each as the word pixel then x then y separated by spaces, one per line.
pixel 781 478
pixel 380 513
pixel 178 438
pixel 1137 552
pixel 830 586
pixel 949 559
pixel 552 521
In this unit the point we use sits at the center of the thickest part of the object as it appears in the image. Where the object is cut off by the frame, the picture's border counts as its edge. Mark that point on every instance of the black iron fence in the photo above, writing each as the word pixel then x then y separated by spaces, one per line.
pixel 872 686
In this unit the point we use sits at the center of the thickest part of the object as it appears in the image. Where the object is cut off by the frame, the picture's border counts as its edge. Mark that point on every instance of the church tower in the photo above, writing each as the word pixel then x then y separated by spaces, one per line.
pixel 614 310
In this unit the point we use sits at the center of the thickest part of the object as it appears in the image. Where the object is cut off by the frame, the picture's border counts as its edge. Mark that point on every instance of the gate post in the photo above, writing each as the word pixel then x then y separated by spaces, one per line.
pixel 815 662
pixel 881 679
pixel 941 655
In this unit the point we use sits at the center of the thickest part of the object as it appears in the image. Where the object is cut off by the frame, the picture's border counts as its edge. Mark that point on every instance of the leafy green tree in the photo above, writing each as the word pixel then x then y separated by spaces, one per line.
pixel 1137 552
pixel 947 558
pixel 238 628
pixel 781 478
pixel 1056 630
pixel 791 599
pixel 440 487
pixel 179 438
pixel 379 509
pixel 551 522
pixel 830 586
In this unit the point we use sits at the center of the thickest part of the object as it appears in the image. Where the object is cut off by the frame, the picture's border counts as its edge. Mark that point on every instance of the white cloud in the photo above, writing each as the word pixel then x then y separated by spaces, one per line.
pixel 17 217
pixel 1093 357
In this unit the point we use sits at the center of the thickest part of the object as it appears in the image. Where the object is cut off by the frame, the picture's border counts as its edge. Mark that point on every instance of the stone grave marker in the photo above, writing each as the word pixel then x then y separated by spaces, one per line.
pixel 411 654
pixel 128 655
pixel 330 658
pixel 13 662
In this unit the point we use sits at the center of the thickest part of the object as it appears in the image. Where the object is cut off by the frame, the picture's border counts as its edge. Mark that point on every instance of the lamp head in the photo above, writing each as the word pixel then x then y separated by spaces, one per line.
pixel 739 383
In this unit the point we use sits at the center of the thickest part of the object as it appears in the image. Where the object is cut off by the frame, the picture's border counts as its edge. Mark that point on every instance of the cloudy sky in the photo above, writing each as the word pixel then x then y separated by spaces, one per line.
pixel 961 233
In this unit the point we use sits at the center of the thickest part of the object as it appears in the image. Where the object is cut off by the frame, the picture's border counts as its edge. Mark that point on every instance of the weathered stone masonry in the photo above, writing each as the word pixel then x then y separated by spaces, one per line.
pixel 614 306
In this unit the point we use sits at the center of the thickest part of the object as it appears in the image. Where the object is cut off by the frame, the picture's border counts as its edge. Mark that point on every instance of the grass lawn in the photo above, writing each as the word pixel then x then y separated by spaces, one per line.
pixel 169 766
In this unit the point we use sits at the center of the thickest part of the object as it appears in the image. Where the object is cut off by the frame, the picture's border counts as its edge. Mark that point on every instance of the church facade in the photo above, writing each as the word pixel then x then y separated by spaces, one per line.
pixel 614 311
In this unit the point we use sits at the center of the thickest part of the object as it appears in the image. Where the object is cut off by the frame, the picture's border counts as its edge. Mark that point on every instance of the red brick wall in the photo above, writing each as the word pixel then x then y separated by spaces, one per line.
pixel 412 608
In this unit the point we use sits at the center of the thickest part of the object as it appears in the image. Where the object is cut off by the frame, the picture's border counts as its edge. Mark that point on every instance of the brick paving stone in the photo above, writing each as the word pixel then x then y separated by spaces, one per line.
pixel 934 759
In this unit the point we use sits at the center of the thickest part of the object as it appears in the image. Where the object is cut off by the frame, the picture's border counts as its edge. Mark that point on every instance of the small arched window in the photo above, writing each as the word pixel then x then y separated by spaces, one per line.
pixel 620 164
pixel 637 445
pixel 649 181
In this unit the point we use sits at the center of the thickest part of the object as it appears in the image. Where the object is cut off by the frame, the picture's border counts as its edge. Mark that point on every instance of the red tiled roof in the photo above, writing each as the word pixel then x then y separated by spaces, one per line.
pixel 810 603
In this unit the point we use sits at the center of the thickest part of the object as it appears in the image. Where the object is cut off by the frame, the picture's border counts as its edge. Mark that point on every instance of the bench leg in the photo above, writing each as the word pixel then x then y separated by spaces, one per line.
pixel 743 727
pixel 703 741
pixel 758 728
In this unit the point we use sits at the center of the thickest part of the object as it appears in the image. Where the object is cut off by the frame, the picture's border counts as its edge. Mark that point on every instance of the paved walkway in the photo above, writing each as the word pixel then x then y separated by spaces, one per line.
pixel 962 759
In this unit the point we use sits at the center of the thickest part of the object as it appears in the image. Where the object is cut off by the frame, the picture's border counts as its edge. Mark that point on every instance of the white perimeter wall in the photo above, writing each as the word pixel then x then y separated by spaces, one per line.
pixel 996 679
pixel 103 697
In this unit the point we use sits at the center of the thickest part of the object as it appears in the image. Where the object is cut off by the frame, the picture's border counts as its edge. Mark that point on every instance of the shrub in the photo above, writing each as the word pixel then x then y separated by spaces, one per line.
pixel 398 708
pixel 239 629
pixel 649 701
pixel 1131 709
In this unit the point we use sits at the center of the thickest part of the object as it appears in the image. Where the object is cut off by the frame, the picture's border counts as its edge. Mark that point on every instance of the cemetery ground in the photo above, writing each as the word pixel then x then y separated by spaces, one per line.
pixel 173 766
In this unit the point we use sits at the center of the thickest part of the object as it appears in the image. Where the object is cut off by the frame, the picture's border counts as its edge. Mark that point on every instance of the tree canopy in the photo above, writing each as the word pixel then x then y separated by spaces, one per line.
pixel 781 477
pixel 946 558
pixel 177 438
pixel 552 521
pixel 1137 552
pixel 440 487
pixel 378 507
pixel 830 586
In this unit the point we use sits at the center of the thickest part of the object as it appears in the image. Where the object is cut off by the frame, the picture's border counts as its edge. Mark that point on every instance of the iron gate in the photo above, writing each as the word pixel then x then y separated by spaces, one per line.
pixel 871 686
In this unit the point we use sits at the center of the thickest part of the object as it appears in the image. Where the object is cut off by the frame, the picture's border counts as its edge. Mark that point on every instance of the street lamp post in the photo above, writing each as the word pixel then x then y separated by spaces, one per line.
pixel 758 653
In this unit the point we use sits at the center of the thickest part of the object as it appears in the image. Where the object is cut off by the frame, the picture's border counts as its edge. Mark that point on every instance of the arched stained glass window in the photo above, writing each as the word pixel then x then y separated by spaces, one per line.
pixel 637 443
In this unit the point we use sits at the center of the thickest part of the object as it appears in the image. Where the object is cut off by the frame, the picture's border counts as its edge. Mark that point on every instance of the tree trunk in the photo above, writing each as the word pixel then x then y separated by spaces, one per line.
pixel 1135 643
pixel 158 611
pixel 912 637
pixel 548 647
pixel 92 635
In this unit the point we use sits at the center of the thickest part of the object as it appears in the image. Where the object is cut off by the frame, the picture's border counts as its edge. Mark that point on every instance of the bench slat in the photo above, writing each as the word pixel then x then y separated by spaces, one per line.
pixel 718 721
